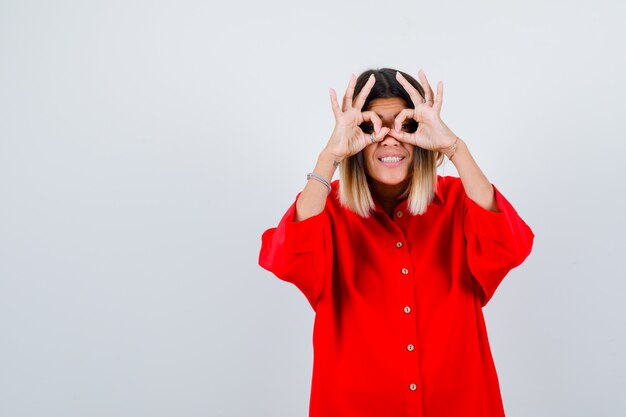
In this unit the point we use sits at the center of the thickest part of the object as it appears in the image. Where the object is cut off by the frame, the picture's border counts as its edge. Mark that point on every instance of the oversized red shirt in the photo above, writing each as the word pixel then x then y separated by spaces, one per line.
pixel 399 329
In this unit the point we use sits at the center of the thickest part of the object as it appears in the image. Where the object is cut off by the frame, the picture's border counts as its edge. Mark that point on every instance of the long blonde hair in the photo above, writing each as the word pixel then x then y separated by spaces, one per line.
pixel 354 190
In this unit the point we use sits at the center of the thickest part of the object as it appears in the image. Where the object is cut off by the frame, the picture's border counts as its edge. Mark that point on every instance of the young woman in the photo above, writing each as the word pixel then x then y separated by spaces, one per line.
pixel 397 261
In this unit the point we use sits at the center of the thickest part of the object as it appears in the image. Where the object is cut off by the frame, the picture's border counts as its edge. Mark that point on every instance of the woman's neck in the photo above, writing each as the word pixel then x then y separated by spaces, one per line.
pixel 389 195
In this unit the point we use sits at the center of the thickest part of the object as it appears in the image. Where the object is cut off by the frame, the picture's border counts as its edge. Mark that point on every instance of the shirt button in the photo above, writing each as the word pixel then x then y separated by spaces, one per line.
pixel 413 387
pixel 407 309
pixel 410 347
pixel 405 271
pixel 398 244
pixel 398 214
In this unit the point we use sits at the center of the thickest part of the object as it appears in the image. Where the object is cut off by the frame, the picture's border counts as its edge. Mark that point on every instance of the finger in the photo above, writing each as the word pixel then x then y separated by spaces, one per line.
pixel 401 117
pixel 376 137
pixel 439 96
pixel 360 100
pixel 347 97
pixel 428 91
pixel 334 103
pixel 402 136
pixel 381 134
pixel 370 116
pixel 416 97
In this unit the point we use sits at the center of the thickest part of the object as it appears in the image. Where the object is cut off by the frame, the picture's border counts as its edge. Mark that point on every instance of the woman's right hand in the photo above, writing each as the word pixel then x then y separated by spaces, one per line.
pixel 347 138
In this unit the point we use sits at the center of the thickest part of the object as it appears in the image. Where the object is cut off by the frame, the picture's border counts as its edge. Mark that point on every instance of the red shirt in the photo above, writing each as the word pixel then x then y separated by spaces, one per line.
pixel 399 328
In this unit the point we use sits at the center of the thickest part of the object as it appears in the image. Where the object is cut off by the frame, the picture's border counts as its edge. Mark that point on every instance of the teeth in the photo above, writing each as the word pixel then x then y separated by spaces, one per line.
pixel 392 159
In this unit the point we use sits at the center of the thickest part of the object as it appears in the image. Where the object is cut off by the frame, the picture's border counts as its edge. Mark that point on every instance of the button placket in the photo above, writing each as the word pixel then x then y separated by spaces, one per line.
pixel 409 350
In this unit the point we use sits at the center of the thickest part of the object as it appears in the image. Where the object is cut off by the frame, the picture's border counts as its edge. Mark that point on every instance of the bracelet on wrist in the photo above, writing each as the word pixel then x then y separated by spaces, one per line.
pixel 451 152
pixel 319 178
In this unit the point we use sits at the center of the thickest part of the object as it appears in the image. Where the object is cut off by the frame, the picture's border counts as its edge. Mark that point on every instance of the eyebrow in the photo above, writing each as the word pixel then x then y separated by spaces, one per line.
pixel 381 116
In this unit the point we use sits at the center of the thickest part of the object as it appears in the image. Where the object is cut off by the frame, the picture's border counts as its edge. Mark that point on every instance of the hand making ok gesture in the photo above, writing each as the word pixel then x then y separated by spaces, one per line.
pixel 432 133
pixel 347 138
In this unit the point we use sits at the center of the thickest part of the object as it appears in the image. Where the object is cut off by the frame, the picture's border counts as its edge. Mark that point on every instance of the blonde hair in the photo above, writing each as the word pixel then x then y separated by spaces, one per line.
pixel 355 193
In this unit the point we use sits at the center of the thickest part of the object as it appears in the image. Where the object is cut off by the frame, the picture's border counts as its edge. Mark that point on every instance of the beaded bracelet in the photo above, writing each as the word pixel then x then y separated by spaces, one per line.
pixel 318 178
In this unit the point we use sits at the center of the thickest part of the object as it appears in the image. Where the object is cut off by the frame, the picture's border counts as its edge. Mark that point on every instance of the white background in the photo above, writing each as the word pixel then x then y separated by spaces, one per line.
pixel 146 145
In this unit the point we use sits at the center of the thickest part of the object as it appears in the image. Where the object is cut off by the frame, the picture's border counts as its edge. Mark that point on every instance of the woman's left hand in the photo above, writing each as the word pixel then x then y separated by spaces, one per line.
pixel 432 133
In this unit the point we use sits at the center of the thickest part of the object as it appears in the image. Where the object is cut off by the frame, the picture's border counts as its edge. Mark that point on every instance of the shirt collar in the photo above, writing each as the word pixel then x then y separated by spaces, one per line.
pixel 438 198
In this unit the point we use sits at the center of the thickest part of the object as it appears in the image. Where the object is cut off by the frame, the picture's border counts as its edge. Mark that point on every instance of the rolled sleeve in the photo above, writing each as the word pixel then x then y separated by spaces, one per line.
pixel 303 236
pixel 297 252
pixel 496 242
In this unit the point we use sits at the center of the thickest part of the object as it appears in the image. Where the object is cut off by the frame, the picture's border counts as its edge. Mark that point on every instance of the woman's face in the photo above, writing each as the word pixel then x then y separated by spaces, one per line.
pixel 388 163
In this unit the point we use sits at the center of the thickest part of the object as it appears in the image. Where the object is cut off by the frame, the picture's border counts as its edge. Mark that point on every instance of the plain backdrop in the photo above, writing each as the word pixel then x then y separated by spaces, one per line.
pixel 146 145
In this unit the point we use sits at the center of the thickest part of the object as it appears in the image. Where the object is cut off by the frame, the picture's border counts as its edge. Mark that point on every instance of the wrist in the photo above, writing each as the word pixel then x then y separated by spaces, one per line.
pixel 327 157
pixel 325 166
pixel 451 149
pixel 461 148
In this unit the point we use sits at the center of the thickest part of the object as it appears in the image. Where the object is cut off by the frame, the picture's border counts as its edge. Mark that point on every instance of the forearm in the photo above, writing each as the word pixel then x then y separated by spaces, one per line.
pixel 313 197
pixel 477 186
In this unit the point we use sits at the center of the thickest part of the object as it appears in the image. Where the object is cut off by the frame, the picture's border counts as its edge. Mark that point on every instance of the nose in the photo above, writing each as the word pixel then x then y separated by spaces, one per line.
pixel 389 140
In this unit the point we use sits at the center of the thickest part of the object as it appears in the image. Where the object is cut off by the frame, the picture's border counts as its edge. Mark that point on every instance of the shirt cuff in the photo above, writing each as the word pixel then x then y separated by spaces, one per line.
pixel 490 224
pixel 305 235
